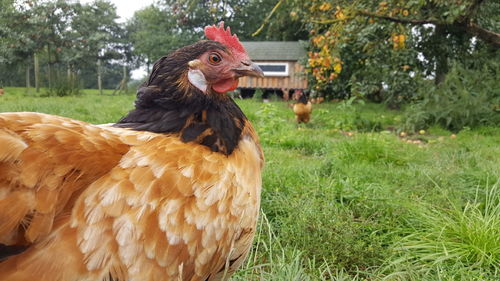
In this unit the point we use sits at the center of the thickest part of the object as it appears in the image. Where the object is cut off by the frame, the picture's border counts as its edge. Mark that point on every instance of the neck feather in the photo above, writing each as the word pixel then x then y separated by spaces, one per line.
pixel 168 103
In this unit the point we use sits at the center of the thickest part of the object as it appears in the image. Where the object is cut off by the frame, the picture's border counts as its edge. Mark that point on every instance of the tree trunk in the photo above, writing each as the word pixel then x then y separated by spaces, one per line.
pixel 441 56
pixel 99 76
pixel 28 82
pixel 441 69
pixel 70 77
pixel 49 72
pixel 122 86
pixel 37 72
pixel 125 79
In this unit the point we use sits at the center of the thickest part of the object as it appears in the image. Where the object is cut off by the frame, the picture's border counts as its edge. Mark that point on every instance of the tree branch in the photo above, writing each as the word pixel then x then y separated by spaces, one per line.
pixel 488 36
pixel 328 21
pixel 398 20
pixel 266 20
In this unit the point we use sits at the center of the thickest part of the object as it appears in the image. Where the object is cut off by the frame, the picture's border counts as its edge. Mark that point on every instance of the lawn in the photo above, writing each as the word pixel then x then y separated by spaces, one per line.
pixel 350 197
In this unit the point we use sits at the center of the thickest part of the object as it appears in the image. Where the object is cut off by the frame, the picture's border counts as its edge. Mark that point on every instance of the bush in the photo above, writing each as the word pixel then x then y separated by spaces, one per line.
pixel 467 98
pixel 64 86
pixel 257 96
pixel 347 117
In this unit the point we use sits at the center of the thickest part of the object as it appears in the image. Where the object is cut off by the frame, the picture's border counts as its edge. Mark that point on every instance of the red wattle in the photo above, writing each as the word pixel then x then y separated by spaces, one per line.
pixel 225 85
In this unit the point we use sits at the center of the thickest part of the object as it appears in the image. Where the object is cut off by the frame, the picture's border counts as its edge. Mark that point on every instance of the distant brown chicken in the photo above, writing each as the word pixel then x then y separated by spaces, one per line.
pixel 302 109
pixel 170 192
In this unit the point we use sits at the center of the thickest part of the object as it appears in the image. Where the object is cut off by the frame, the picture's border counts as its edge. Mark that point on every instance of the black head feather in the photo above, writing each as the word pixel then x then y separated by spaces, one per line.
pixel 165 105
pixel 303 98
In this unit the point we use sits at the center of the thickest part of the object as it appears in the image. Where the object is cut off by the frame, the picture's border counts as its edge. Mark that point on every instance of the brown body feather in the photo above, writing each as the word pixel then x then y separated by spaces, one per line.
pixel 302 112
pixel 96 203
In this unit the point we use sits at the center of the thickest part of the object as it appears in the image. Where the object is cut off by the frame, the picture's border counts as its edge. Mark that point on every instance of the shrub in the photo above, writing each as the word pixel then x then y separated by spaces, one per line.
pixel 467 98
pixel 257 96
pixel 64 86
pixel 347 117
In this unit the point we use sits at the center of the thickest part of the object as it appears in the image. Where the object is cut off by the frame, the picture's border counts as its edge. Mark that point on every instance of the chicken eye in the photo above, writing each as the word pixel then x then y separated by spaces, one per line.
pixel 214 58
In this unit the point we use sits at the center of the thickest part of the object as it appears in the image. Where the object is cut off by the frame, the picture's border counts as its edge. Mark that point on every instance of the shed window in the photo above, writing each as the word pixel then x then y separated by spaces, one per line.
pixel 274 68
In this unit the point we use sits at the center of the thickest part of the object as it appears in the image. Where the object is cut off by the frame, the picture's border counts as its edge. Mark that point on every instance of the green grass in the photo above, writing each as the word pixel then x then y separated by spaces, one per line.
pixel 89 107
pixel 345 198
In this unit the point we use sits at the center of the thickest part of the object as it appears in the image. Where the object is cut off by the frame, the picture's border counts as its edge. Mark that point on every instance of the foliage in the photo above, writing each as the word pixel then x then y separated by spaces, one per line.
pixel 467 98
pixel 64 86
pixel 383 49
pixel 95 34
pixel 154 34
pixel 244 17
pixel 19 34
pixel 64 36
pixel 348 117
pixel 257 95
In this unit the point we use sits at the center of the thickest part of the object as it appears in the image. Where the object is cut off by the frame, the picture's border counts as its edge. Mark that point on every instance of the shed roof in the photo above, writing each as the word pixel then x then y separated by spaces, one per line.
pixel 275 50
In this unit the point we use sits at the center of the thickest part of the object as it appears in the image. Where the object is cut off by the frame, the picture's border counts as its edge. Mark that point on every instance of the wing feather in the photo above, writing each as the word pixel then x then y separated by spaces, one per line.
pixel 44 161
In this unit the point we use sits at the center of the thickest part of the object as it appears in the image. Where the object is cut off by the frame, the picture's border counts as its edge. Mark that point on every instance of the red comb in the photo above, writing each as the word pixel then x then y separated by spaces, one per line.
pixel 224 37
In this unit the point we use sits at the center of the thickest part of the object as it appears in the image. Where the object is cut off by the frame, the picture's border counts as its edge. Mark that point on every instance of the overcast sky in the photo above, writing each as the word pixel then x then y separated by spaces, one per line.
pixel 126 8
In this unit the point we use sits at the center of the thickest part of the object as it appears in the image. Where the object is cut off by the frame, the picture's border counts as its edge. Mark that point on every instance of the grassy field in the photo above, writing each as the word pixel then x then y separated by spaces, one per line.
pixel 346 197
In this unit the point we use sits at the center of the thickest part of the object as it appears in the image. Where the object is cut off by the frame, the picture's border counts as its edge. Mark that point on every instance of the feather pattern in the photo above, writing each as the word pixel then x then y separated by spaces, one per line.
pixel 93 203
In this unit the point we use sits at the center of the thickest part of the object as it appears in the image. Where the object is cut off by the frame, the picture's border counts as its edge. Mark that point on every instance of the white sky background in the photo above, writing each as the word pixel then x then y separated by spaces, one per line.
pixel 125 10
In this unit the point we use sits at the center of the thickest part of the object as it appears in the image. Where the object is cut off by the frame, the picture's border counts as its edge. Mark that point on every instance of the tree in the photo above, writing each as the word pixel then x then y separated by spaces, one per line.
pixel 21 36
pixel 64 38
pixel 154 34
pixel 96 37
pixel 383 47
pixel 244 16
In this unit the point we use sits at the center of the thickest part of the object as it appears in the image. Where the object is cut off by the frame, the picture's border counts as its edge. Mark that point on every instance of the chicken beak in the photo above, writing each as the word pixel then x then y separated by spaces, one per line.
pixel 248 69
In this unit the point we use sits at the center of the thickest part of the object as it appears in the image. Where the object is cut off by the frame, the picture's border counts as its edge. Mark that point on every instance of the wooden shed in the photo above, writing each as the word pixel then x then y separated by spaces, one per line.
pixel 280 62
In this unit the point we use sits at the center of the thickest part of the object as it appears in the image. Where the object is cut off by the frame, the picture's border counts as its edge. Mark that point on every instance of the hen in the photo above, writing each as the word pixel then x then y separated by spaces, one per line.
pixel 302 109
pixel 170 192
